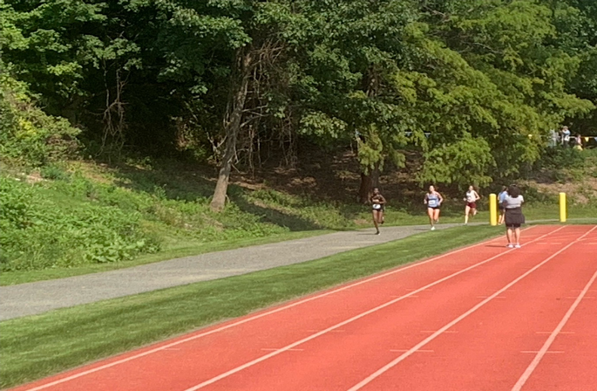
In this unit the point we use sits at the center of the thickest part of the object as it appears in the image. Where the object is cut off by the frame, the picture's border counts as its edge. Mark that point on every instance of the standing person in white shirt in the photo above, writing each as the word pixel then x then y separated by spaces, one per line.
pixel 514 217
pixel 471 203
pixel 565 136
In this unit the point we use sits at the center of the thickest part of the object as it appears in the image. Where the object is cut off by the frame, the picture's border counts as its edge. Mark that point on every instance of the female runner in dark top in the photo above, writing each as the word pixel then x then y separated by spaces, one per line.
pixel 377 204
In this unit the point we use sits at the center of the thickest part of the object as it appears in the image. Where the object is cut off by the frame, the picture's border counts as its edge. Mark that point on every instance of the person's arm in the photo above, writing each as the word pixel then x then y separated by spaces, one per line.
pixel 382 200
pixel 441 199
pixel 477 196
pixel 425 199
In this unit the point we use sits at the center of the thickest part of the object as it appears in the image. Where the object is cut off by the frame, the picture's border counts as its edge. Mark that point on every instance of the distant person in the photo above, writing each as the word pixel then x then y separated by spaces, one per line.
pixel 565 136
pixel 377 204
pixel 553 138
pixel 578 143
pixel 501 197
pixel 433 200
pixel 514 217
pixel 471 198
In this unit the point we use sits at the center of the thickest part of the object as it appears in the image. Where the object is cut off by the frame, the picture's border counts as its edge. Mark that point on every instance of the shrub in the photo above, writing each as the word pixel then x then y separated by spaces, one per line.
pixel 28 136
pixel 37 231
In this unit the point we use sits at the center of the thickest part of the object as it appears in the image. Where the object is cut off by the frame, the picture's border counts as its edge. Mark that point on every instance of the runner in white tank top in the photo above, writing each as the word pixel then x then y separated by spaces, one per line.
pixel 471 203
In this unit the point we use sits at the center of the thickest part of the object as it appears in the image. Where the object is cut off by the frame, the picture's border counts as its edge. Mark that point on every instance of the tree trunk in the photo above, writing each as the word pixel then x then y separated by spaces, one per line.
pixel 365 188
pixel 368 182
pixel 232 127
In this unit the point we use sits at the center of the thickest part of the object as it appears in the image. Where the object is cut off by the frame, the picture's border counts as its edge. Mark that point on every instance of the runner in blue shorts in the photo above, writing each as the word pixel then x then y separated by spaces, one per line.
pixel 433 199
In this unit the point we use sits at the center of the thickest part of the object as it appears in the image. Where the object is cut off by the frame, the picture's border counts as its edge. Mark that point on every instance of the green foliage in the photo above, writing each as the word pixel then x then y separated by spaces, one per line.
pixel 28 136
pixel 561 158
pixel 387 75
pixel 464 162
pixel 38 231
pixel 566 164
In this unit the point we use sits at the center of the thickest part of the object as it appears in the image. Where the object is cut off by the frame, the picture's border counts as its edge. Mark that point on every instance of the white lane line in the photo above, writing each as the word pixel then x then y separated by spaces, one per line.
pixel 547 352
pixel 275 349
pixel 357 317
pixel 533 365
pixel 419 351
pixel 258 316
pixel 458 319
pixel 561 333
pixel 436 331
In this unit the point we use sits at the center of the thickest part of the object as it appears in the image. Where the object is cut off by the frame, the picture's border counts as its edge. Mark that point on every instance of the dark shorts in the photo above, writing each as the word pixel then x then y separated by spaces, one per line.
pixel 472 205
pixel 433 208
pixel 514 218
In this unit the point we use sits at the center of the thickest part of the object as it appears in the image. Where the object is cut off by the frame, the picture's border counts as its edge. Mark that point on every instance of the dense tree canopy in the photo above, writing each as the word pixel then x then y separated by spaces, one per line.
pixel 474 86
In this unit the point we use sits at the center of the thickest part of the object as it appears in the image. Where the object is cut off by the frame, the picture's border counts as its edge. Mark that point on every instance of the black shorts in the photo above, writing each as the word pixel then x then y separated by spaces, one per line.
pixel 433 208
pixel 514 218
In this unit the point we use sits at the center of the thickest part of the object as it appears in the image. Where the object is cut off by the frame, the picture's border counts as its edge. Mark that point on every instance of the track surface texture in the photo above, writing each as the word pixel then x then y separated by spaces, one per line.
pixel 484 317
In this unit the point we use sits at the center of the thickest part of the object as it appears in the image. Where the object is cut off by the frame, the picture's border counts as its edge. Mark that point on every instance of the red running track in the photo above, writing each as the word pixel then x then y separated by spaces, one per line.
pixel 479 318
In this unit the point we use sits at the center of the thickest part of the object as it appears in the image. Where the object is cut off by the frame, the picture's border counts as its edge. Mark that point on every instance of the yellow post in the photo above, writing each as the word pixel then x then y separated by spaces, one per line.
pixel 562 207
pixel 493 210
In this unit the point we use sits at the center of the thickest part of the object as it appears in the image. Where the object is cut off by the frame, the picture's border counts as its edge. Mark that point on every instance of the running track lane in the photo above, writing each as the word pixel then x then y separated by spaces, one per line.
pixel 574 367
pixel 199 356
pixel 341 360
pixel 495 344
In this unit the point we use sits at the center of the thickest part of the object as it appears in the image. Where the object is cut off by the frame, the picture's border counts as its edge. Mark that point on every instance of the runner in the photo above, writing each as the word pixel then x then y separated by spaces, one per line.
pixel 471 203
pixel 377 202
pixel 513 216
pixel 433 199
pixel 501 197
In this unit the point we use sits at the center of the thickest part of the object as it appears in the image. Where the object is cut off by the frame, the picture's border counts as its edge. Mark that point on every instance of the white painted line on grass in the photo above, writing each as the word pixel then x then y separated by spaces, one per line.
pixel 533 365
pixel 357 317
pixel 258 316
pixel 458 319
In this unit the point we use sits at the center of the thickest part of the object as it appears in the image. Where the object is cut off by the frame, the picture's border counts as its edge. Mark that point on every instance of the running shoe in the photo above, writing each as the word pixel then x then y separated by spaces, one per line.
pixel 510 246
pixel 517 246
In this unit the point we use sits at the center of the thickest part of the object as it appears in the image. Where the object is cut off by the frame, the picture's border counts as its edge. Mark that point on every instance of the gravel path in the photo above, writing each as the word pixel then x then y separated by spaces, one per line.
pixel 39 297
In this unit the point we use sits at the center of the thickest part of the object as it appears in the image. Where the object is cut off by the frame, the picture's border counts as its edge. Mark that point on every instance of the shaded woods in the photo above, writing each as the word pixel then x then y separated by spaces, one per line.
pixel 473 87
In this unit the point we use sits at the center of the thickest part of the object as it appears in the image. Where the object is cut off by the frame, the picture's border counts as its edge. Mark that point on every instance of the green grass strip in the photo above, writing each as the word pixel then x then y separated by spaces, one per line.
pixel 37 346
